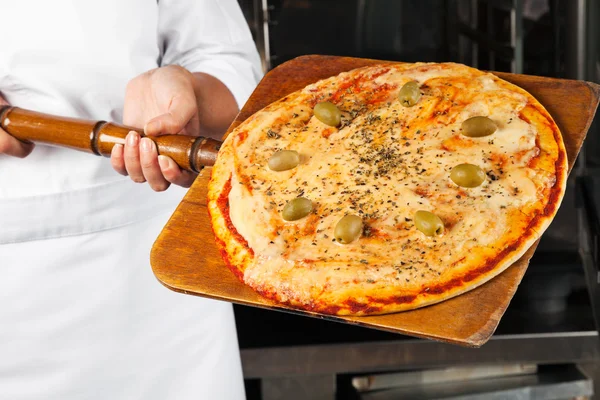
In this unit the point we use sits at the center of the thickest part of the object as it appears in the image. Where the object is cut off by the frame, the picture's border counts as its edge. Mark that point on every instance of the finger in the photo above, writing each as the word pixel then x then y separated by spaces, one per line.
pixel 150 167
pixel 181 110
pixel 131 154
pixel 13 147
pixel 117 160
pixel 174 174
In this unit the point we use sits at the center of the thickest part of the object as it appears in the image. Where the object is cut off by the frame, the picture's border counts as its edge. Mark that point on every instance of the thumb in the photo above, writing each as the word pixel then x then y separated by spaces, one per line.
pixel 181 113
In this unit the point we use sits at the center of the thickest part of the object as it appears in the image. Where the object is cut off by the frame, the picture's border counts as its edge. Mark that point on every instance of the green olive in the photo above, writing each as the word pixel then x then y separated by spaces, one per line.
pixel 284 160
pixel 467 175
pixel 348 229
pixel 478 127
pixel 409 94
pixel 429 223
pixel 297 208
pixel 328 113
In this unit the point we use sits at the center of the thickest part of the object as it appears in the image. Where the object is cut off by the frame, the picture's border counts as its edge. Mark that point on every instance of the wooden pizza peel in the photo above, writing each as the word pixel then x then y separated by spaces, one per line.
pixel 185 257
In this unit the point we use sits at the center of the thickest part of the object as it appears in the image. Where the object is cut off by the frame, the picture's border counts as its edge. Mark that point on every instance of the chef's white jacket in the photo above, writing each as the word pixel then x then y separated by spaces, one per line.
pixel 81 315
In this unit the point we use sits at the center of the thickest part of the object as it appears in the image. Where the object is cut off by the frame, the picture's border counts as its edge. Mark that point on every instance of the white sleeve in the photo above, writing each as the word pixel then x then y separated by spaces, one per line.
pixel 210 36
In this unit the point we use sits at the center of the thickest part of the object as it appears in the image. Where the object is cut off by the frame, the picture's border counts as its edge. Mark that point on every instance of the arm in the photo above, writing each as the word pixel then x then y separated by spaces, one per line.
pixel 210 68
pixel 170 100
pixel 217 107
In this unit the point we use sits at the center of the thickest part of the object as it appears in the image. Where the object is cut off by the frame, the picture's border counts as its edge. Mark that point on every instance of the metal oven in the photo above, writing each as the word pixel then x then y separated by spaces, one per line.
pixel 550 326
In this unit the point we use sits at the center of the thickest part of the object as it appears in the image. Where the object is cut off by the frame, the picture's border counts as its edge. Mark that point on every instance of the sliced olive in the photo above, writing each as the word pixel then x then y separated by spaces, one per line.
pixel 348 229
pixel 297 208
pixel 467 175
pixel 328 113
pixel 409 94
pixel 429 223
pixel 478 127
pixel 284 160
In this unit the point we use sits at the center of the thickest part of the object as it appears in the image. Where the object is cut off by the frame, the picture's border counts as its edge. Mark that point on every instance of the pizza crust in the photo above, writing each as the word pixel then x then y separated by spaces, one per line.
pixel 367 286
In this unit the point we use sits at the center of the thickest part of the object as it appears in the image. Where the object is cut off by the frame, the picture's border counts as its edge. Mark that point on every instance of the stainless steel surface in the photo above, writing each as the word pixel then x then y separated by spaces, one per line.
pixel 491 32
pixel 589 237
pixel 360 24
pixel 266 45
pixel 516 36
pixel 255 13
pixel 592 371
pixel 319 387
pixel 435 376
pixel 473 16
pixel 576 39
pixel 557 384
pixel 486 40
pixel 593 48
pixel 575 54
pixel 413 354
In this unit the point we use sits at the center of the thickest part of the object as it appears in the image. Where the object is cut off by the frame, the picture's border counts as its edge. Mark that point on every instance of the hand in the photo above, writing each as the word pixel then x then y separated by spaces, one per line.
pixel 163 102
pixel 11 146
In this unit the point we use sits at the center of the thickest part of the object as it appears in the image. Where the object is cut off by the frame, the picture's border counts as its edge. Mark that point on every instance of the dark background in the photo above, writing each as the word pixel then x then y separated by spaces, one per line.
pixel 553 296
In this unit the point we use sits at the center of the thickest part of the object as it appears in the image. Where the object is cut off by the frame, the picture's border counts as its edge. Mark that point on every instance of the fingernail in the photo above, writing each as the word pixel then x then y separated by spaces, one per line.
pixel 132 138
pixel 164 162
pixel 146 145
pixel 117 148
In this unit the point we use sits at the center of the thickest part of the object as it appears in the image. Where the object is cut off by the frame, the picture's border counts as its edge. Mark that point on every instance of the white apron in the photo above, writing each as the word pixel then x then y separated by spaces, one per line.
pixel 81 314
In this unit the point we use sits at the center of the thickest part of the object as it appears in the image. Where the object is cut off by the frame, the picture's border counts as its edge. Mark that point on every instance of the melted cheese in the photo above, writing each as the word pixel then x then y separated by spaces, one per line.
pixel 385 163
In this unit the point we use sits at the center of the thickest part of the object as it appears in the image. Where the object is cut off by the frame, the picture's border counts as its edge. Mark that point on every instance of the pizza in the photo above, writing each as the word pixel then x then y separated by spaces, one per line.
pixel 386 188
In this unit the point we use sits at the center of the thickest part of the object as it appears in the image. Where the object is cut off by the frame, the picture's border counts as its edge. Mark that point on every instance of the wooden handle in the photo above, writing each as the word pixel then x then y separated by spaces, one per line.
pixel 99 137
